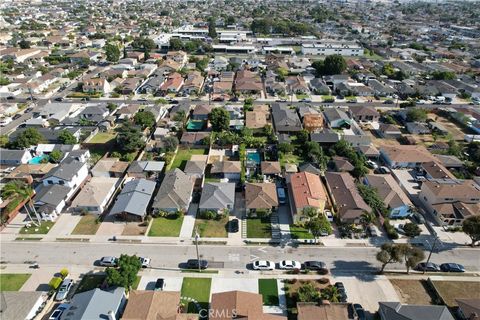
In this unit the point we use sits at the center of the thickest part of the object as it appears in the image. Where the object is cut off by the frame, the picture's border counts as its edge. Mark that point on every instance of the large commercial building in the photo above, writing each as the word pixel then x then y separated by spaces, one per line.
pixel 325 48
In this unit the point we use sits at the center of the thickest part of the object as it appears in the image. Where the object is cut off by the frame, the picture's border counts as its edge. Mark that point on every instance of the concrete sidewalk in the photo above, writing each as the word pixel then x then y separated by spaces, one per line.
pixel 189 221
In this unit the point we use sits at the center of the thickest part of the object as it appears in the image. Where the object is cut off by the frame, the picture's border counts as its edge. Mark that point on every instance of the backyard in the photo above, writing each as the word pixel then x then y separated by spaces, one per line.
pixel 183 155
pixel 197 289
pixel 211 228
pixel 103 137
pixel 288 158
pixel 268 288
pixel 299 232
pixel 166 227
pixel 13 281
pixel 43 228
pixel 87 225
pixel 259 228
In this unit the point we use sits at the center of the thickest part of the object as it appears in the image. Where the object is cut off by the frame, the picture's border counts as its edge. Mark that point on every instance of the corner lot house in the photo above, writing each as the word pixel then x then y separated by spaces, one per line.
pixel 132 202
pixel 175 193
pixel 348 203
pixel 95 195
pixel 261 196
pixel 217 196
pixel 395 199
pixel 405 156
pixel 305 190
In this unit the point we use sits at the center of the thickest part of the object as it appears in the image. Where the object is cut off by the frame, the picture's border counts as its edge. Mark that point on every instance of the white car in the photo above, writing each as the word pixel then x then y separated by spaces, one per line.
pixel 145 262
pixel 329 215
pixel 289 265
pixel 263 265
pixel 371 164
pixel 108 262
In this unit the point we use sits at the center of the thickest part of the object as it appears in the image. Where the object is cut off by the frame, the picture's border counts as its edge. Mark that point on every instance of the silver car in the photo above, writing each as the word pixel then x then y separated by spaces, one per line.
pixel 64 289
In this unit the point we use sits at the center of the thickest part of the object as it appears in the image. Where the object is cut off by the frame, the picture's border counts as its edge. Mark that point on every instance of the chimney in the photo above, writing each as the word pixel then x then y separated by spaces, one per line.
pixel 111 315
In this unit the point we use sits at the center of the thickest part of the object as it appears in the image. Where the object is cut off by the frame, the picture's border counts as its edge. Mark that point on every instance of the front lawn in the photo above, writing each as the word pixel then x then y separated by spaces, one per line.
pixel 197 289
pixel 102 137
pixel 451 290
pixel 183 155
pixel 87 225
pixel 268 288
pixel 90 281
pixel 299 232
pixel 211 228
pixel 166 227
pixel 43 228
pixel 259 228
pixel 301 96
pixel 13 281
pixel 412 291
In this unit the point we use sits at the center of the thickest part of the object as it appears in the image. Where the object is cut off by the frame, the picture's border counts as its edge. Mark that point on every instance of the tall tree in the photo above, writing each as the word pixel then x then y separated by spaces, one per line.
pixel 389 253
pixel 145 119
pixel 27 138
pixel 333 64
pixel 17 188
pixel 220 119
pixel 471 226
pixel 126 272
pixel 129 138
pixel 212 31
pixel 411 255
pixel 112 52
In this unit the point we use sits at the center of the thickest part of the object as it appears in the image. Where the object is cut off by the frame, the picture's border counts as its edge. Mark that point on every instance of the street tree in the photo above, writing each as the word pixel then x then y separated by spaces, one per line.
pixel 471 226
pixel 389 253
pixel 220 119
pixel 126 272
pixel 318 225
pixel 411 255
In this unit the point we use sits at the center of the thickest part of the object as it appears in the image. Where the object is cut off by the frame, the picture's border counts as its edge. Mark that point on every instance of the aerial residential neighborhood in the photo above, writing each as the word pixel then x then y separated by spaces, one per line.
pixel 218 159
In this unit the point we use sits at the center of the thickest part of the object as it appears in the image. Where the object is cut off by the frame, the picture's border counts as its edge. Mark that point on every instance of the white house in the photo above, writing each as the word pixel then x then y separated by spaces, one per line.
pixel 69 174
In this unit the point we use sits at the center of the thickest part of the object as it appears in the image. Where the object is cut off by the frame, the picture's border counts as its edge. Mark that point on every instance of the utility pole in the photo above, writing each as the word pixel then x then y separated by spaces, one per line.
pixel 197 236
pixel 431 251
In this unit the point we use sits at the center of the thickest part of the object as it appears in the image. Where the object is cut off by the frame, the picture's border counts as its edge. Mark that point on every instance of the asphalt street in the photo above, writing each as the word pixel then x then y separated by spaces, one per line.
pixel 339 259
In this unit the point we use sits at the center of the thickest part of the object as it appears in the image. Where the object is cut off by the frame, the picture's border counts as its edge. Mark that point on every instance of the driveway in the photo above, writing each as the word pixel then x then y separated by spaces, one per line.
pixel 239 205
pixel 189 221
pixel 110 228
pixel 170 283
pixel 284 221
pixel 64 225
pixel 230 284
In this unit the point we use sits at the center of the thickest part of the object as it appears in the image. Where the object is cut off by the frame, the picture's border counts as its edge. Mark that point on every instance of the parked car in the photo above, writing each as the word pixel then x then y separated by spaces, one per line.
pixel 15 117
pixel 430 267
pixel 64 289
pixel 281 100
pixel 263 265
pixel 372 231
pixel 306 100
pixel 382 170
pixel 371 164
pixel 234 225
pixel 316 266
pixel 28 110
pixel 359 311
pixel 108 261
pixel 159 284
pixel 59 99
pixel 195 263
pixel 329 215
pixel 341 289
pixel 57 313
pixel 418 218
pixel 289 265
pixel 145 262
pixel 452 267
pixel 399 227
pixel 388 101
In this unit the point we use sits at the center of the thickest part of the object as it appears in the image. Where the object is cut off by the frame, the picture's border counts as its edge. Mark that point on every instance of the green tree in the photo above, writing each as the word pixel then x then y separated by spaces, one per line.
pixel 443 75
pixel 3 140
pixel 176 44
pixel 371 197
pixel 307 293
pixel 145 119
pixel 56 156
pixel 302 136
pixel 22 190
pixel 389 253
pixel 471 227
pixel 411 229
pixel 331 294
pixel 285 147
pixel 24 44
pixel 170 143
pixel 416 115
pixel 454 148
pixel 314 153
pixel 367 218
pixel 66 137
pixel 212 31
pixel 333 64
pixel 129 138
pixel 220 119
pixel 126 272
pixel 318 225
pixel 27 138
pixel 112 52
pixel 111 106
pixel 411 255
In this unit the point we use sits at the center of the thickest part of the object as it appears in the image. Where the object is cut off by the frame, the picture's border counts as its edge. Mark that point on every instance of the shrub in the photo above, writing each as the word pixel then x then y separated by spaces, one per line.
pixel 411 229
pixel 391 232
pixel 55 283
pixel 208 215
pixel 323 280
pixel 64 273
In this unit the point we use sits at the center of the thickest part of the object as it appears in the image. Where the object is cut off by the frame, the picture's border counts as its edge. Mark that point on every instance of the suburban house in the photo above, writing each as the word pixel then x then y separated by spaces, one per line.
pixel 145 169
pixel 96 85
pixel 389 131
pixel 193 83
pixel 468 308
pixel 109 167
pixel 14 157
pixel 248 82
pixel 348 202
pixel 96 304
pixel 195 168
pixel 175 193
pixel 451 200
pixel 30 172
pixel 201 112
pixel 227 169
pixel 50 200
pixel 217 196
pixel 239 305
pixel 132 202
pixel 405 156
pixel 337 118
pixel 173 83
pixel 395 199
pixel 324 311
pixel 194 138
pixel 305 190
pixel 270 168
pixel 313 122
pixel 285 119
pixel 70 174
pixel 260 196
pixel 22 305
pixel 297 85
pixel 258 118
pixel 398 311
pixel 157 305
pixel 364 114
pixel 95 195
pixel 435 170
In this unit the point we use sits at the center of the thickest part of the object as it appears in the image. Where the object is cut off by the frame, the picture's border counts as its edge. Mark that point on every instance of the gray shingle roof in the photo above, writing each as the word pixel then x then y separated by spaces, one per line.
pixel 134 198
pixel 11 155
pixel 52 194
pixel 285 119
pixel 17 305
pixel 94 304
pixel 66 170
pixel 398 311
pixel 217 195
pixel 175 191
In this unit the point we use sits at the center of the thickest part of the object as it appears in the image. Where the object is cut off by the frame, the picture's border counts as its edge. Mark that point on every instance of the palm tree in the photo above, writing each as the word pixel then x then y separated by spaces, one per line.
pixel 17 188
pixel 367 218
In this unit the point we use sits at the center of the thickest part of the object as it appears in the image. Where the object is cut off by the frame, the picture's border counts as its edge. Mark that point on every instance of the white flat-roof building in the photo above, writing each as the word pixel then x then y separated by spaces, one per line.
pixel 233 49
pixel 284 50
pixel 325 48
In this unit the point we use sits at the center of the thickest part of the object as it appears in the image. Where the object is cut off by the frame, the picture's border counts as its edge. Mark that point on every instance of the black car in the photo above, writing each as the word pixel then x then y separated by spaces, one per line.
pixel 59 99
pixel 194 263
pixel 430 267
pixel 28 110
pixel 15 117
pixel 452 267
pixel 388 102
pixel 159 284
pixel 359 311
pixel 341 290
pixel 234 225
pixel 315 265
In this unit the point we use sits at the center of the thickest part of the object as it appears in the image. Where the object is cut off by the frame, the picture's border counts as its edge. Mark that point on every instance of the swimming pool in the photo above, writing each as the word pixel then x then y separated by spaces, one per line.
pixel 254 156
pixel 195 125
pixel 38 159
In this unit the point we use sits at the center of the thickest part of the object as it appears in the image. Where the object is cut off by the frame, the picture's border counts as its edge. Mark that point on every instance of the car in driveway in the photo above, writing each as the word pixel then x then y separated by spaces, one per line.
pixel 64 289
pixel 108 262
pixel 359 311
pixel 315 266
pixel 289 265
pixel 452 267
pixel 145 262
pixel 57 313
pixel 195 264
pixel 371 164
pixel 427 266
pixel 234 225
pixel 159 284
pixel 263 265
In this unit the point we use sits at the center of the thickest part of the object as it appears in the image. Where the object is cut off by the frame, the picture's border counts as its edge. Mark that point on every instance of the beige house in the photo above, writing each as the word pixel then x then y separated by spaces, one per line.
pixel 96 85
pixel 260 196
pixel 95 195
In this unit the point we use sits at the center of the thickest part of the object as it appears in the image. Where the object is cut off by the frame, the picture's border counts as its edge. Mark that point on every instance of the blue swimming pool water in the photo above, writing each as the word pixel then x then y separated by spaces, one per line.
pixel 38 159
pixel 254 156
